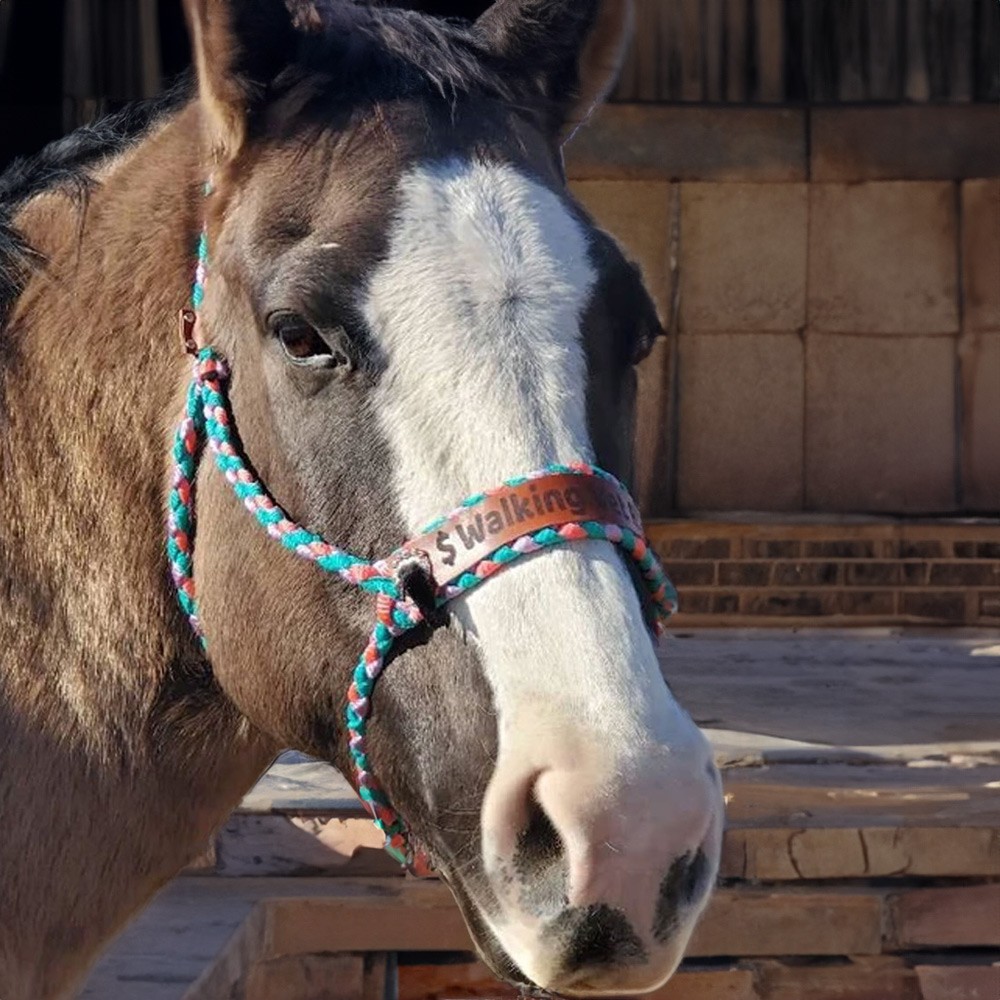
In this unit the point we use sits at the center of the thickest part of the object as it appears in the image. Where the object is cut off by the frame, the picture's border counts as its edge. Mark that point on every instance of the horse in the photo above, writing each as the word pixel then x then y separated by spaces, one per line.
pixel 404 307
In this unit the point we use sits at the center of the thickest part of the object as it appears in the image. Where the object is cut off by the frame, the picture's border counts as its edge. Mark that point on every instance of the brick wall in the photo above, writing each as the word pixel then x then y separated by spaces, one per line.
pixel 831 281
pixel 886 573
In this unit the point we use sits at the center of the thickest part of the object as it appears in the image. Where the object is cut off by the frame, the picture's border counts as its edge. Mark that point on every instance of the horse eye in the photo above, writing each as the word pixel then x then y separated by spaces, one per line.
pixel 300 340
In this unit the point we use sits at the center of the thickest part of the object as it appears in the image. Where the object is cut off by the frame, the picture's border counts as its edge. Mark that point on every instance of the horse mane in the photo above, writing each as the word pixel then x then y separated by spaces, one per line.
pixel 67 165
pixel 377 51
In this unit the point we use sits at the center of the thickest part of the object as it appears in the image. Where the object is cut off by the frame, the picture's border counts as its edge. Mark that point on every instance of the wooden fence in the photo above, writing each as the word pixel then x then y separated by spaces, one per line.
pixel 814 51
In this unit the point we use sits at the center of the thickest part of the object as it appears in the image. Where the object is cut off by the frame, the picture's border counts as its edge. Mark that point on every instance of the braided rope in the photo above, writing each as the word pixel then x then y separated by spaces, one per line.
pixel 208 419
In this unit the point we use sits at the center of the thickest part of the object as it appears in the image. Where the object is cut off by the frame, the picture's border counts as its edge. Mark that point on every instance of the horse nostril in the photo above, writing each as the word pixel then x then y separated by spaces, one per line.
pixel 539 843
pixel 540 863
pixel 684 884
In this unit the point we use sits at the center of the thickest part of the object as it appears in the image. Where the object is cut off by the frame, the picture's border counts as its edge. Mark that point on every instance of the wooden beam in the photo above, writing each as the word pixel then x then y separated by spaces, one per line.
pixel 792 854
pixel 785 823
pixel 414 916
pixel 473 979
pixel 962 917
pixel 904 143
pixel 651 142
pixel 951 982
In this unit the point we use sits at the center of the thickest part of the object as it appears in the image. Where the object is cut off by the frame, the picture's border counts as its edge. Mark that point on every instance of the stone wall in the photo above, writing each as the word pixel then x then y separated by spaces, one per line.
pixel 831 282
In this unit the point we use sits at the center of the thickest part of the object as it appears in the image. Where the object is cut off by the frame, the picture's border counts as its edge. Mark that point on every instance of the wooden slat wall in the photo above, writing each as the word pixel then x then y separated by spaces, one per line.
pixel 817 51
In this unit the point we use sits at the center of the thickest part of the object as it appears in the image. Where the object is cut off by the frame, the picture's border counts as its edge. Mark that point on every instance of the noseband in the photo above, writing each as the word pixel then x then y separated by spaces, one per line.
pixel 456 553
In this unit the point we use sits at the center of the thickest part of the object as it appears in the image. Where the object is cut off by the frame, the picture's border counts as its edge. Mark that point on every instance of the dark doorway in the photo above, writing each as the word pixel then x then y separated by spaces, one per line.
pixel 65 62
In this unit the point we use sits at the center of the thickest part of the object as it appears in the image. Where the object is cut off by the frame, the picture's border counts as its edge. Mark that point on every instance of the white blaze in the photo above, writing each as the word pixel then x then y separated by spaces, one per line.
pixel 478 307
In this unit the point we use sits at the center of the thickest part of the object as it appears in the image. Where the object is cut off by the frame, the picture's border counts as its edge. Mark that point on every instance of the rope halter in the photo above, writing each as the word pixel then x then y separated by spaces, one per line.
pixel 456 553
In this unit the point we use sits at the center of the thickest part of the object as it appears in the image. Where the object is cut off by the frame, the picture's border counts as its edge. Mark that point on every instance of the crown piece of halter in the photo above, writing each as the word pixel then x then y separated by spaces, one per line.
pixel 487 532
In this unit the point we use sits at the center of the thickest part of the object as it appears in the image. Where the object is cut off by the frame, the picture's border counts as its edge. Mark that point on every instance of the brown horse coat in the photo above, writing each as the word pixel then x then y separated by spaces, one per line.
pixel 122 747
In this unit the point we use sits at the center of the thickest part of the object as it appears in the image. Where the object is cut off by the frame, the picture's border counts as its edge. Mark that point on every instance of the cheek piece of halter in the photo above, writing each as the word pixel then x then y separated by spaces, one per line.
pixel 559 504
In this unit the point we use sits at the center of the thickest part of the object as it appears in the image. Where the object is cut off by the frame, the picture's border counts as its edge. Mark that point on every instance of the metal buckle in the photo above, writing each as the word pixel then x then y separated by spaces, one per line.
pixel 187 328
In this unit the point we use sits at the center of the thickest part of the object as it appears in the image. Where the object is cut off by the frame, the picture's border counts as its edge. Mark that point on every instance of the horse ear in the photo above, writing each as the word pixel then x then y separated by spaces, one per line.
pixel 575 47
pixel 239 46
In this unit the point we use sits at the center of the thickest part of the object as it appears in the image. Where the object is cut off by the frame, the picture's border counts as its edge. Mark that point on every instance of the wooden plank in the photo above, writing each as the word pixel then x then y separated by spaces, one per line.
pixel 770 50
pixel 918 85
pixel 873 978
pixel 884 50
pixel 966 917
pixel 179 935
pixel 454 980
pixel 751 923
pixel 308 977
pixel 226 975
pixel 879 978
pixel 963 49
pixel 824 51
pixel 819 707
pixel 691 40
pixel 422 916
pixel 472 980
pixel 849 50
pixel 950 52
pixel 737 87
pixel 414 916
pixel 798 54
pixel 714 27
pixel 696 143
pixel 319 977
pixel 669 84
pixel 369 916
pixel 758 853
pixel 821 33
pixel 300 785
pixel 275 845
pixel 987 35
pixel 959 982
pixel 642 70
pixel 808 796
pixel 692 983
pixel 785 821
pixel 242 971
pixel 190 922
pixel 891 852
pixel 627 86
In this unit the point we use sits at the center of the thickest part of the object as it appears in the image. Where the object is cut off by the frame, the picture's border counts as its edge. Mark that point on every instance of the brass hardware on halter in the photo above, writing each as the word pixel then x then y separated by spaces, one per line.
pixel 187 325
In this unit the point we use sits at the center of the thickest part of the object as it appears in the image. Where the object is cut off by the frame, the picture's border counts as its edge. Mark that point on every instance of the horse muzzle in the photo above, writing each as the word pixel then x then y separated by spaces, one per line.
pixel 597 868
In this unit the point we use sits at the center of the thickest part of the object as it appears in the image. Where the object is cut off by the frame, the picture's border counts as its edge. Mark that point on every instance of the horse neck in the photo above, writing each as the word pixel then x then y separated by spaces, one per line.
pixel 105 701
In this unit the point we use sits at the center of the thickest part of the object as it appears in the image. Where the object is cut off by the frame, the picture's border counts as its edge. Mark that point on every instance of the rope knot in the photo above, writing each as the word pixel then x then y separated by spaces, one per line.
pixel 210 367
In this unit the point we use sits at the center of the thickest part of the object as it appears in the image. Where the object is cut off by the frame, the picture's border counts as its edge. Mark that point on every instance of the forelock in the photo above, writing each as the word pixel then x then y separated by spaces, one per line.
pixel 383 53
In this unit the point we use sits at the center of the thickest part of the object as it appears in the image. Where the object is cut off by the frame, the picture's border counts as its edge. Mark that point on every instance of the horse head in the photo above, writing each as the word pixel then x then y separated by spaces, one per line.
pixel 414 309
